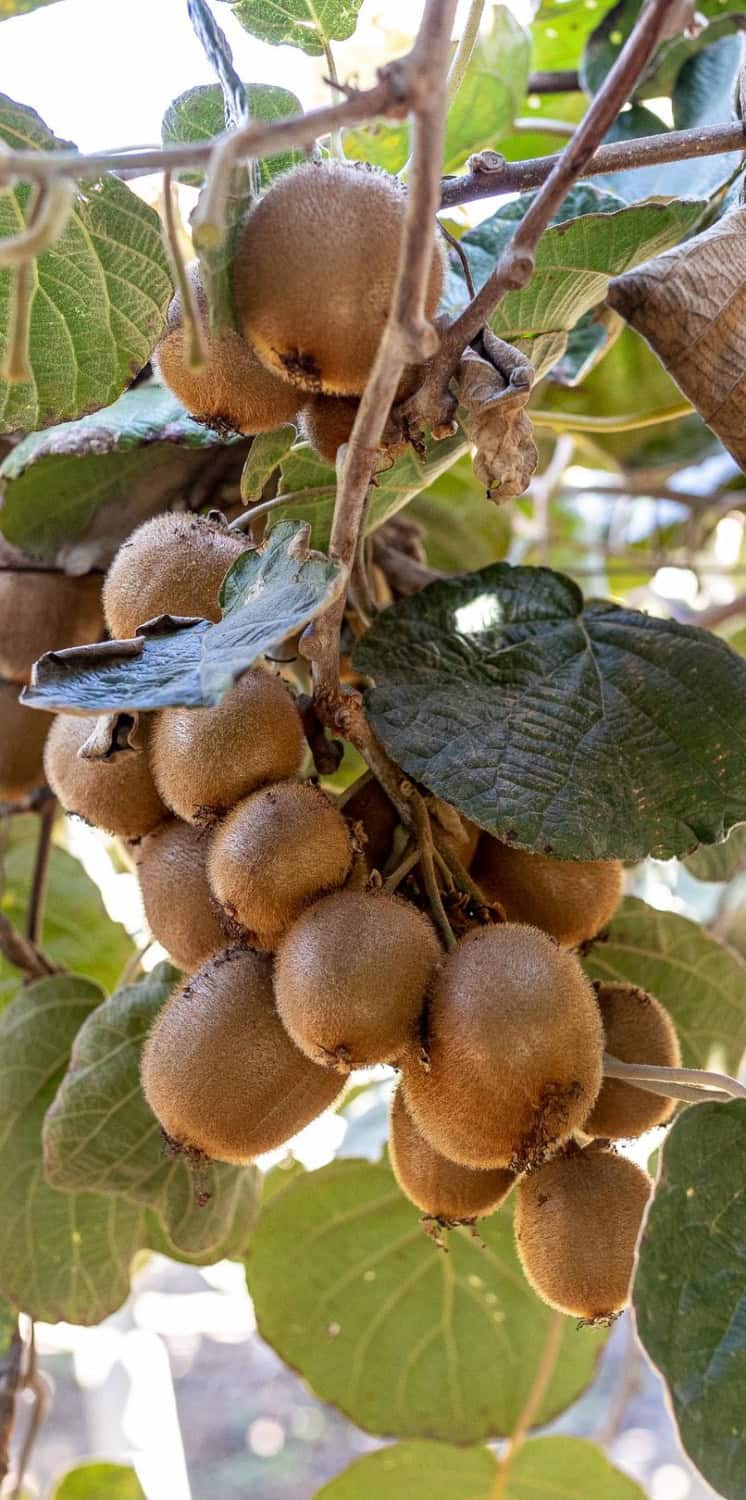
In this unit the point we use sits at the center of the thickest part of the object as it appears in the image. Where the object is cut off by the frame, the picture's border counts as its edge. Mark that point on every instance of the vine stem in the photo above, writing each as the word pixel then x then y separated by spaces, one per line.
pixel 195 342
pixel 11 1380
pixel 567 422
pixel 37 898
pixel 530 1411
pixel 331 67
pixel 24 955
pixel 698 1080
pixel 265 507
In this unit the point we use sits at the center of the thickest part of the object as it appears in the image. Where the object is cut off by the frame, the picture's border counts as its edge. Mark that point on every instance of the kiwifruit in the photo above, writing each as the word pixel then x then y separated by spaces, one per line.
pixel 514 1041
pixel 577 1222
pixel 571 899
pixel 277 851
pixel 219 1070
pixel 315 270
pixel 173 564
pixel 181 911
pixel 233 388
pixel 24 731
pixel 438 1187
pixel 351 976
pixel 117 794
pixel 369 805
pixel 44 611
pixel 637 1029
pixel 204 759
pixel 326 422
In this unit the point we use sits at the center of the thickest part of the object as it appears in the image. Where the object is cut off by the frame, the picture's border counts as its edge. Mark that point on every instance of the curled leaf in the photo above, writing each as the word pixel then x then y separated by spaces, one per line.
pixel 493 398
pixel 111 734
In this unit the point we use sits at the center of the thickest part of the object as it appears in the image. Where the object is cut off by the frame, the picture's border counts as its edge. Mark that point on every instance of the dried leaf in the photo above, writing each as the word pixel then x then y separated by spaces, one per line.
pixel 494 417
pixel 112 734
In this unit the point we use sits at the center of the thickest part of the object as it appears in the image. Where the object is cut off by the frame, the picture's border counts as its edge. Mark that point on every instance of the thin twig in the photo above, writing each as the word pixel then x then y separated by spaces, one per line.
pixel 427 862
pixel 50 215
pixel 195 340
pixel 24 955
pixel 542 125
pixel 35 913
pixel 699 1078
pixel 335 138
pixel 265 508
pixel 630 422
pixel 37 1383
pixel 530 1411
pixel 410 858
pixel 462 255
pixel 561 81
pixel 11 1378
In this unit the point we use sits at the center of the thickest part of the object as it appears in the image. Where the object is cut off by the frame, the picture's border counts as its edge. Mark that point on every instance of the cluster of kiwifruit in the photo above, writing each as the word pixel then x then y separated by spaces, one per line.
pixel 313 276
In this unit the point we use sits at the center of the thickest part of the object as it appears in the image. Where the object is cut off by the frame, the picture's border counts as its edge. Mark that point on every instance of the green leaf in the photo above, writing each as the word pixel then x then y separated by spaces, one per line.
pixel 101 1136
pixel 587 343
pixel 556 724
pixel 407 1341
pixel 269 593
pixel 267 450
pixel 719 861
pixel 99 294
pixel 9 8
pixel 607 40
pixel 199 115
pixel 560 30
pixel 462 528
pixel 690 1288
pixel 701 983
pixel 558 1468
pixel 299 23
pixel 99 1482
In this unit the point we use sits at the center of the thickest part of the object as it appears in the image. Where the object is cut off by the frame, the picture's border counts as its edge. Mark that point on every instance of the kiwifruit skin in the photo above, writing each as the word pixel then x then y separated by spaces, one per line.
pixel 22 739
pixel 637 1029
pixel 326 423
pixel 117 795
pixel 569 899
pixel 219 1070
pixel 351 976
pixel 438 1187
pixel 205 759
pixel 370 806
pixel 334 229
pixel 181 911
pixel 577 1222
pixel 515 1043
pixel 173 564
pixel 45 611
pixel 275 853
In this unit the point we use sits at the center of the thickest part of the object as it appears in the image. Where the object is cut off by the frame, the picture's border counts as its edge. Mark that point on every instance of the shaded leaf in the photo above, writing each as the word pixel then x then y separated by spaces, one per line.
pixel 559 1468
pixel 719 861
pixel 267 450
pixel 587 343
pixel 608 38
pixel 199 115
pixel 99 1482
pixel 299 23
pixel 461 529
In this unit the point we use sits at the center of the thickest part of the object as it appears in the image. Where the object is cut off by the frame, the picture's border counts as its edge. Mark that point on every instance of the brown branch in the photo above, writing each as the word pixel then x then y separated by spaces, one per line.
pixel 24 955
pixel 35 914
pixel 11 1380
pixel 561 81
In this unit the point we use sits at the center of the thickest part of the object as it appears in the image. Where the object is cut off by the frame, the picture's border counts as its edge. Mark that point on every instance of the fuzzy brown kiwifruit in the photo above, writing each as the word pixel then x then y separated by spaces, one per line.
pixel 335 230
pixel 637 1029
pixel 514 1040
pixel 45 611
pixel 180 908
pixel 205 759
pixel 351 976
pixel 173 564
pixel 233 388
pixel 23 732
pixel 571 899
pixel 219 1070
pixel 441 1189
pixel 577 1222
pixel 369 805
pixel 275 853
pixel 326 423
pixel 117 794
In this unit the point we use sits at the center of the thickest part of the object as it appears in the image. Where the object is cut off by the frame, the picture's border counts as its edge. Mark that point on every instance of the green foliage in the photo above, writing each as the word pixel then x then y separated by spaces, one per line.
pixel 10 8
pixel 562 1467
pixel 99 1482
pixel 267 451
pixel 719 861
pixel 460 530
pixel 199 115
pixel 299 23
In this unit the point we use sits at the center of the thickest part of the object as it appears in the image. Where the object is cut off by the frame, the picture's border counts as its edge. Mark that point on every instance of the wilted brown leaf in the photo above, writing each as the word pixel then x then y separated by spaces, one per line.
pixel 493 402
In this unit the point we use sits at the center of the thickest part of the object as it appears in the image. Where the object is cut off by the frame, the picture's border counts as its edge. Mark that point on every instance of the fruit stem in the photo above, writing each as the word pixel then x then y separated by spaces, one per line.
pixel 195 345
pixel 700 1082
pixel 411 858
pixel 530 1411
pixel 427 862
pixel 335 137
pixel 35 913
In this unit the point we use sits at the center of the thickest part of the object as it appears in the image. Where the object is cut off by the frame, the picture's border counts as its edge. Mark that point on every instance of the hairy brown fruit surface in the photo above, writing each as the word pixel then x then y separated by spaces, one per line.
pixel 204 759
pixel 117 794
pixel 219 1070
pixel 370 806
pixel 326 422
pixel 179 905
pixel 171 565
pixel 515 1043
pixel 438 1187
pixel 277 851
pixel 334 230
pixel 568 898
pixel 351 976
pixel 22 736
pixel 43 611
pixel 577 1222
pixel 637 1029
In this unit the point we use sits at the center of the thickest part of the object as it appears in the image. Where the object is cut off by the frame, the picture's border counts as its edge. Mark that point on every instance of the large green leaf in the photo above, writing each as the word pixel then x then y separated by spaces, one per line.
pixel 99 294
pixel 690 1288
pixel 593 732
pixel 199 115
pixel 555 1468
pixel 299 23
pixel 560 30
pixel 719 861
pixel 351 1292
pixel 99 1482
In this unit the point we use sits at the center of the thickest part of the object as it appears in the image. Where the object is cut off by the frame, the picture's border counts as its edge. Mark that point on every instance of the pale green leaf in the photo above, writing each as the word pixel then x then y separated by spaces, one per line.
pixel 299 23
pixel 267 450
pixel 199 115
pixel 555 1468
pixel 719 861
pixel 99 1481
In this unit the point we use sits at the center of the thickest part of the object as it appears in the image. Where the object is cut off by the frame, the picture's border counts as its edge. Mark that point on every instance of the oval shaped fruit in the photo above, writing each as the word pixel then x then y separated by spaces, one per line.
pixel 219 1070
pixel 181 911
pixel 171 565
pixel 117 794
pixel 326 422
pixel 45 611
pixel 24 732
pixel 637 1029
pixel 351 976
pixel 440 1188
pixel 334 230
pixel 515 1045
pixel 577 1222
pixel 204 759
pixel 276 852
pixel 568 898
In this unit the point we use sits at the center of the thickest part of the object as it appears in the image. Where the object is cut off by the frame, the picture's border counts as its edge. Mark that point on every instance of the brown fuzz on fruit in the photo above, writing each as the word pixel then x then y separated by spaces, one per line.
pixel 334 230
pixel 637 1029
pixel 219 1070
pixel 514 1043
pixel 181 912
pixel 570 899
pixel 326 423
pixel 276 852
pixel 233 388
pixel 171 565
pixel 118 794
pixel 204 759
pixel 369 805
pixel 351 977
pixel 45 611
pixel 440 1188
pixel 24 732
pixel 577 1223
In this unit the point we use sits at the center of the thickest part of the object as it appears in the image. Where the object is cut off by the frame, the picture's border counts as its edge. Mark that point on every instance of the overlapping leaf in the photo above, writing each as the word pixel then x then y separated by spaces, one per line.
pixel 199 115
pixel 299 23
pixel 562 1468
pixel 719 861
